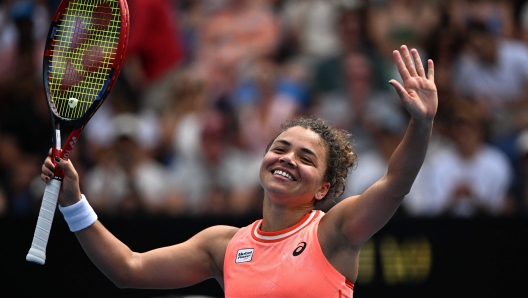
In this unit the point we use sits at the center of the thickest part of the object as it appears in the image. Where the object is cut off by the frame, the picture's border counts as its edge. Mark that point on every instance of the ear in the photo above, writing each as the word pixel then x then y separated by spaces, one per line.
pixel 321 192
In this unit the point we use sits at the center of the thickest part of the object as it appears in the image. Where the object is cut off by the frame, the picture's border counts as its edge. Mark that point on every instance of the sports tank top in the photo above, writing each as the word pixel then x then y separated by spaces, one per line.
pixel 288 263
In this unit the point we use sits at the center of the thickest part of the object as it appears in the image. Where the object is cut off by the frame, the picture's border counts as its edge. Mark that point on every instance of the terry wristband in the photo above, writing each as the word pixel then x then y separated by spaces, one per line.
pixel 79 215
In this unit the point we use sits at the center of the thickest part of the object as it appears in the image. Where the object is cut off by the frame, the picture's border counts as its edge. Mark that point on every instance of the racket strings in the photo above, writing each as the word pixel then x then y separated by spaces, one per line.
pixel 82 55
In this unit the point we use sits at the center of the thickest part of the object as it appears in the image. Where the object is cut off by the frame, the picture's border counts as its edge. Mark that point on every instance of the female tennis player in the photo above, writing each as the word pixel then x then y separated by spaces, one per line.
pixel 294 251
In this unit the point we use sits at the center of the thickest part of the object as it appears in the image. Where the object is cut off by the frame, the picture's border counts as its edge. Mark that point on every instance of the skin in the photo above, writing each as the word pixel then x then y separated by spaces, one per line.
pixel 302 154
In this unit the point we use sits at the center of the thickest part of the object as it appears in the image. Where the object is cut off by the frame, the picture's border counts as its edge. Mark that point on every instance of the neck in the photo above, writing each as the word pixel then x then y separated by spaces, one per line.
pixel 279 217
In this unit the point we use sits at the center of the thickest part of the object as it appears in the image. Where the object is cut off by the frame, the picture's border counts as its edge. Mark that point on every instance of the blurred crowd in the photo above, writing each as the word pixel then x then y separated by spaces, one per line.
pixel 207 83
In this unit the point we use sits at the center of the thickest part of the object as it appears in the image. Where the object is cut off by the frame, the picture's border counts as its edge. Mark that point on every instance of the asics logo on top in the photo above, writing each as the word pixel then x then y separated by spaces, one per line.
pixel 300 248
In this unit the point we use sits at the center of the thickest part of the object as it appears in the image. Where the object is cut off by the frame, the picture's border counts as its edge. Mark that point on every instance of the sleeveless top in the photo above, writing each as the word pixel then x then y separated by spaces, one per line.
pixel 287 263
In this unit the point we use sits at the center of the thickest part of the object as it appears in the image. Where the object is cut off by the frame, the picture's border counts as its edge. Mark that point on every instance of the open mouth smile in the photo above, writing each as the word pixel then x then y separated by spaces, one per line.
pixel 283 174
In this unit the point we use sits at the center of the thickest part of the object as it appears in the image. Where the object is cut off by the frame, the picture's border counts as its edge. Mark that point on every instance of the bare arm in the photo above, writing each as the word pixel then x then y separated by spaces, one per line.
pixel 358 218
pixel 174 266
pixel 184 264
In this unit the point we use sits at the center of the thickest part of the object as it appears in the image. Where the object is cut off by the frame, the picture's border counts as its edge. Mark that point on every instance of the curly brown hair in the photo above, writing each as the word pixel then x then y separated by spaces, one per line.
pixel 341 154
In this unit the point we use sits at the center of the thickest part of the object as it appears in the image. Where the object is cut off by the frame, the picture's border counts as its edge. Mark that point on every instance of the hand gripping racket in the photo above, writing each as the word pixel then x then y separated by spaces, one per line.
pixel 84 53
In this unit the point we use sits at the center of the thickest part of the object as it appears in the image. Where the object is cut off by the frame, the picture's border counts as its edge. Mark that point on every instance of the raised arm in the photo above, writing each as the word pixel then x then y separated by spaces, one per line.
pixel 358 218
pixel 184 264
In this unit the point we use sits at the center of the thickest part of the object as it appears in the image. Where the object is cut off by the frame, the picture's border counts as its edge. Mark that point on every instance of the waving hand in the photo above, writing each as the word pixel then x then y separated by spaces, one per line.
pixel 418 93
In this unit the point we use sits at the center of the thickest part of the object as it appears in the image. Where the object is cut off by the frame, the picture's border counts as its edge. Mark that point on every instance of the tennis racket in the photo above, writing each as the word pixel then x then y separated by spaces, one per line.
pixel 84 54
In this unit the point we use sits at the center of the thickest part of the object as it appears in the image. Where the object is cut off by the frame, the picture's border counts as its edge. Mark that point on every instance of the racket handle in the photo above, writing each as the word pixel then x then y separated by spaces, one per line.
pixel 37 252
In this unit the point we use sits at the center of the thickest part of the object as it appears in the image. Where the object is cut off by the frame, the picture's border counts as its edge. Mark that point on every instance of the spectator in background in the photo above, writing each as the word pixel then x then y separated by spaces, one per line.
pixel 267 96
pixel 394 22
pixel 233 37
pixel 330 73
pixel 217 177
pixel 308 30
pixel 154 53
pixel 348 108
pixel 21 48
pixel 201 142
pixel 99 132
pixel 180 122
pixel 192 15
pixel 23 28
pixel 493 71
pixel 127 180
pixel 498 15
pixel 471 178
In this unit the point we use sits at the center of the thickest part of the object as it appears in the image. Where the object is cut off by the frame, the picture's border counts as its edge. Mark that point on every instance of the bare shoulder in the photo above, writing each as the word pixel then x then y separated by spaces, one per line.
pixel 214 240
pixel 216 235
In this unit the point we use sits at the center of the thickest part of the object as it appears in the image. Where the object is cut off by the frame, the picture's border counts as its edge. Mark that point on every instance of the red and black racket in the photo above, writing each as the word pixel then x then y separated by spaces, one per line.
pixel 84 54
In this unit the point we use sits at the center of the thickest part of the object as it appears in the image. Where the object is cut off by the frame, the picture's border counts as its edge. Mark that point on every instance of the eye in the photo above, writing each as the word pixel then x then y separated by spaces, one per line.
pixel 278 149
pixel 306 160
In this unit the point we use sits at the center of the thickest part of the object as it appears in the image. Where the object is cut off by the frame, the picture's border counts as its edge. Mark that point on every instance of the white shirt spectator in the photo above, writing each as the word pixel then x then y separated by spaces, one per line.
pixel 488 174
pixel 108 186
pixel 496 84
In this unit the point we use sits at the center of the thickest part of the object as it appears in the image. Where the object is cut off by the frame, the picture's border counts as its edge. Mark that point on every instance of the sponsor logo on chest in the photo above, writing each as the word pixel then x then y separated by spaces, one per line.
pixel 244 255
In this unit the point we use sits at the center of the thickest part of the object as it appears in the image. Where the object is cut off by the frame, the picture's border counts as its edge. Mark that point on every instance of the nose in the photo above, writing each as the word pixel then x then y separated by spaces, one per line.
pixel 287 159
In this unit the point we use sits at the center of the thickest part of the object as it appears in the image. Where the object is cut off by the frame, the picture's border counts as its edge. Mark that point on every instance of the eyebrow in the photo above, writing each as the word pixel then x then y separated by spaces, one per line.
pixel 303 149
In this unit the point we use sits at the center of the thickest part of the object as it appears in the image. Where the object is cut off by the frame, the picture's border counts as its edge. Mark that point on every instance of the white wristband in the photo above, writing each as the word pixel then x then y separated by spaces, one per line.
pixel 79 215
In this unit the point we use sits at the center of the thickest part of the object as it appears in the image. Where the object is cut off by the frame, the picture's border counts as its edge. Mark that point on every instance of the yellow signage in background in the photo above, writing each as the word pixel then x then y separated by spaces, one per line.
pixel 402 261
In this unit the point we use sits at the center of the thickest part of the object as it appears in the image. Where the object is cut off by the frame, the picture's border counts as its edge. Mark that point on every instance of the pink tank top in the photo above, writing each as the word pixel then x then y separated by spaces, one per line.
pixel 287 263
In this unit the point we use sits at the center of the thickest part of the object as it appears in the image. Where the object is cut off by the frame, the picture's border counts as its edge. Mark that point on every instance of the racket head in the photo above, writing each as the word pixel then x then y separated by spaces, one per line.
pixel 83 57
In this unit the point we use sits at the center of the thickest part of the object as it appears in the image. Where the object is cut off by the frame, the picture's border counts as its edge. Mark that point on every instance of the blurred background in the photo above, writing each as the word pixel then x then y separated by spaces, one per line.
pixel 205 86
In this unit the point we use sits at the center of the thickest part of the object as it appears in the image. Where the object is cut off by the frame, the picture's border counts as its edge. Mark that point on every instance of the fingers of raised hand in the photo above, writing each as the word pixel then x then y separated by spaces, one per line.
pixel 410 64
pixel 418 63
pixel 430 70
pixel 408 60
pixel 400 64
pixel 405 63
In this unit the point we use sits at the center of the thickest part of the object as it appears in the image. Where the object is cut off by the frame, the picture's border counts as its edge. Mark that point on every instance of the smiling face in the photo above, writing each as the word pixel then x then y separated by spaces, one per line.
pixel 293 168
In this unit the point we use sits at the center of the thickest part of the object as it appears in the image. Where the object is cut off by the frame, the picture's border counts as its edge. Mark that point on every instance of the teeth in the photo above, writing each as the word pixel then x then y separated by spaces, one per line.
pixel 284 174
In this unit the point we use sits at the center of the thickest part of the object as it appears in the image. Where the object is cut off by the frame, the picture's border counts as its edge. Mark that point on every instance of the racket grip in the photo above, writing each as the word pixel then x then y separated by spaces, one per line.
pixel 37 252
